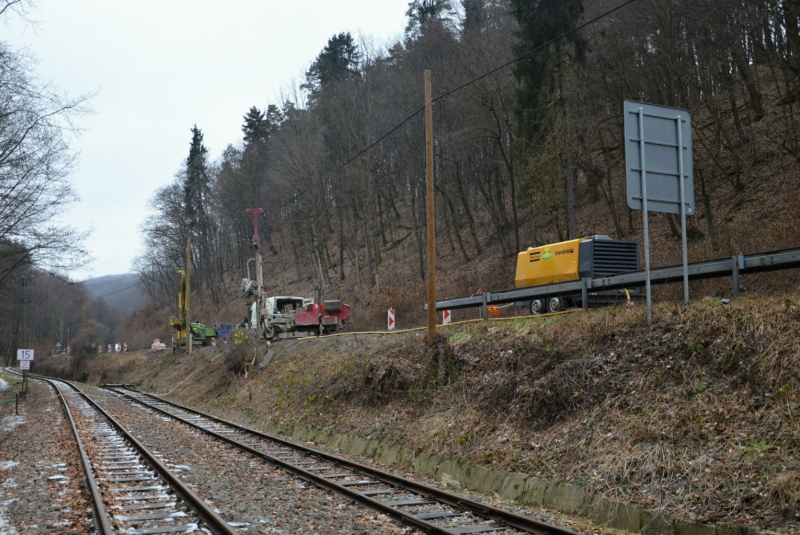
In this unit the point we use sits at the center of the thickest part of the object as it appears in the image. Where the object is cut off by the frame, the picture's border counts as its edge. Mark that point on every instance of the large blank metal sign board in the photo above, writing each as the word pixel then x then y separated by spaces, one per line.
pixel 659 171
pixel 659 134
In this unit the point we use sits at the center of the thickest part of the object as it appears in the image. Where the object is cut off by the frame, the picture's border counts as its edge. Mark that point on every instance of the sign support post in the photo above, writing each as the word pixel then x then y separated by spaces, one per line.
pixel 679 122
pixel 25 357
pixel 643 173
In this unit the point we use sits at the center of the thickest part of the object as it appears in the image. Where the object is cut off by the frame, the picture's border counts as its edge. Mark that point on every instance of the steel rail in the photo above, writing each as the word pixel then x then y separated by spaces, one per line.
pixel 488 512
pixel 103 526
pixel 214 522
pixel 707 269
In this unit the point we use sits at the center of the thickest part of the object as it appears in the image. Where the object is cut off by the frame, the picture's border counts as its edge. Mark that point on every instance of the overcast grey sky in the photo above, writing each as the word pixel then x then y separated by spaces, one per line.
pixel 160 66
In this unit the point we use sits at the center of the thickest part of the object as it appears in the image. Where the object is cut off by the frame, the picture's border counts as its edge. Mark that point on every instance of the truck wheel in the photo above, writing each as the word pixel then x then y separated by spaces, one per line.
pixel 555 304
pixel 537 306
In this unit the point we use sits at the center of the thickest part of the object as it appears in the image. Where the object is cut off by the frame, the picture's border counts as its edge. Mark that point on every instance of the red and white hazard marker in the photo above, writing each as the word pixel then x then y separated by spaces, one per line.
pixel 67 350
pixel 392 323
pixel 125 347
pixel 447 317
pixel 117 347
pixel 99 349
pixel 109 348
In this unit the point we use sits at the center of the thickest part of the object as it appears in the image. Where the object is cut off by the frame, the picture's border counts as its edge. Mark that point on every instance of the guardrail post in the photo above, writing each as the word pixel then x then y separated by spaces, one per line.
pixel 485 307
pixel 585 294
pixel 735 271
pixel 16 404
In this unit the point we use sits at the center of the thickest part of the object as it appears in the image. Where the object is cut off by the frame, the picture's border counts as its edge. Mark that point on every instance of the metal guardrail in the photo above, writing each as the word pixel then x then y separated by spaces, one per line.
pixel 733 266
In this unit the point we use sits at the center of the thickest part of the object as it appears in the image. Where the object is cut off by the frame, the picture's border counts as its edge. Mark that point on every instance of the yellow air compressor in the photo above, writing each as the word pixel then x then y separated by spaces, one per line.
pixel 557 262
pixel 595 256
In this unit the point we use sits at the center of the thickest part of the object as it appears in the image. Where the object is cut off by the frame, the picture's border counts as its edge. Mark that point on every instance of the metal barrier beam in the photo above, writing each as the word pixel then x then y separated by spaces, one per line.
pixel 708 269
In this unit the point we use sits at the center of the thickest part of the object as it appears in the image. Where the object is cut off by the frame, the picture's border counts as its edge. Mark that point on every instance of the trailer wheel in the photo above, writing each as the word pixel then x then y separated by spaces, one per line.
pixel 537 306
pixel 555 304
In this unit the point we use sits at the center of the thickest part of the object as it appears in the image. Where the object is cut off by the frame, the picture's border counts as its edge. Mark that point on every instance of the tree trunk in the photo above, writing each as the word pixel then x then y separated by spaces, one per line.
pixel 743 67
pixel 341 243
pixel 356 247
pixel 569 174
pixel 462 193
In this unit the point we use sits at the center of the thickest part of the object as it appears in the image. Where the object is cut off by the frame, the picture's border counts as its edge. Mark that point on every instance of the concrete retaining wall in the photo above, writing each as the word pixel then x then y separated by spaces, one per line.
pixel 511 485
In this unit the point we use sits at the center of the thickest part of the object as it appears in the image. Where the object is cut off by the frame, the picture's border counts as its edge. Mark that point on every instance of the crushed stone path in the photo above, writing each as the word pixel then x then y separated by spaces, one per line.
pixel 41 477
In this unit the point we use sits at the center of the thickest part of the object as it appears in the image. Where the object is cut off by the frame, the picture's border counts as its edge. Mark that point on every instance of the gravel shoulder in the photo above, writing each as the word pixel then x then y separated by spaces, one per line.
pixel 41 479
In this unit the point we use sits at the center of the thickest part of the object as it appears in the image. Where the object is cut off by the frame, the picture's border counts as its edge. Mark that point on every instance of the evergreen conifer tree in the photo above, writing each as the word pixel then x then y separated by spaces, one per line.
pixel 255 127
pixel 339 60
pixel 420 13
pixel 196 184
pixel 540 21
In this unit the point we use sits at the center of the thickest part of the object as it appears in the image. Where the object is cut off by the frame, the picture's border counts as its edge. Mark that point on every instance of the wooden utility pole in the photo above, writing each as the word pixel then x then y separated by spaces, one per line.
pixel 430 210
pixel 188 292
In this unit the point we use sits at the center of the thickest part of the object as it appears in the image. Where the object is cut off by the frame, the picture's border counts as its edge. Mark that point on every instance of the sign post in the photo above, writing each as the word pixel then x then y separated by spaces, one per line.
pixel 25 357
pixel 643 171
pixel 659 172
pixel 679 125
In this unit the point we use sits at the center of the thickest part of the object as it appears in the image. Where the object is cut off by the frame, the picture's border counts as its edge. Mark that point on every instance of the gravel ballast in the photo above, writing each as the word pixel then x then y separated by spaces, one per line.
pixel 41 478
pixel 249 494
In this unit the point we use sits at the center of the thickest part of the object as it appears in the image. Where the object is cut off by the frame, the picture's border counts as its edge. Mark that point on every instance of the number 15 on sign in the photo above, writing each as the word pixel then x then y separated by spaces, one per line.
pixel 24 354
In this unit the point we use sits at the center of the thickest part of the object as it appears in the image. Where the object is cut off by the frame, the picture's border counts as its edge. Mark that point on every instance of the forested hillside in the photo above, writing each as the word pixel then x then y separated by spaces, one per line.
pixel 123 292
pixel 527 154
pixel 39 307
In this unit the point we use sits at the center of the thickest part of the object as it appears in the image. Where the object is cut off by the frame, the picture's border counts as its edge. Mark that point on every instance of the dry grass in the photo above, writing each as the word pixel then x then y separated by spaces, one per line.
pixel 698 415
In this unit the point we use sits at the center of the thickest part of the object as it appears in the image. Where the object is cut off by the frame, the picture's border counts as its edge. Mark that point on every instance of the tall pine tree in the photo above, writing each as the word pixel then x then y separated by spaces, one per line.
pixel 422 13
pixel 196 182
pixel 255 127
pixel 339 60
pixel 541 21
pixel 542 77
pixel 260 125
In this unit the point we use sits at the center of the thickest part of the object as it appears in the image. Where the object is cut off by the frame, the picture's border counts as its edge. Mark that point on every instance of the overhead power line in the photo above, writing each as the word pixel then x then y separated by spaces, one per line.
pixel 118 291
pixel 462 86
pixel 533 51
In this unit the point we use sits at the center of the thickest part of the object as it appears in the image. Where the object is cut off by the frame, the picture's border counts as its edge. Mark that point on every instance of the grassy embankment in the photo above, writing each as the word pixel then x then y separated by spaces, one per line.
pixel 697 416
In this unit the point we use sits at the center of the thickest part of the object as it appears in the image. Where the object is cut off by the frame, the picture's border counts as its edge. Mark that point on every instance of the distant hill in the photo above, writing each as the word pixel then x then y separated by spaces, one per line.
pixel 120 291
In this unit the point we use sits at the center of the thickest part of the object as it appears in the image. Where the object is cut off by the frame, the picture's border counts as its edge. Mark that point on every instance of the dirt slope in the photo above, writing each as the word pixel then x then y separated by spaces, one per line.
pixel 697 416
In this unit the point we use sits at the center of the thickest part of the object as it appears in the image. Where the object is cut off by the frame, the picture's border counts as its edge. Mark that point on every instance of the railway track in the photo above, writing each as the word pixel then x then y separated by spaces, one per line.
pixel 426 508
pixel 133 491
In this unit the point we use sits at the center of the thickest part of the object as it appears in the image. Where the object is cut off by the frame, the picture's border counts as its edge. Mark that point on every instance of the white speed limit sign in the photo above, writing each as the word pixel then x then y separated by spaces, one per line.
pixel 24 354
